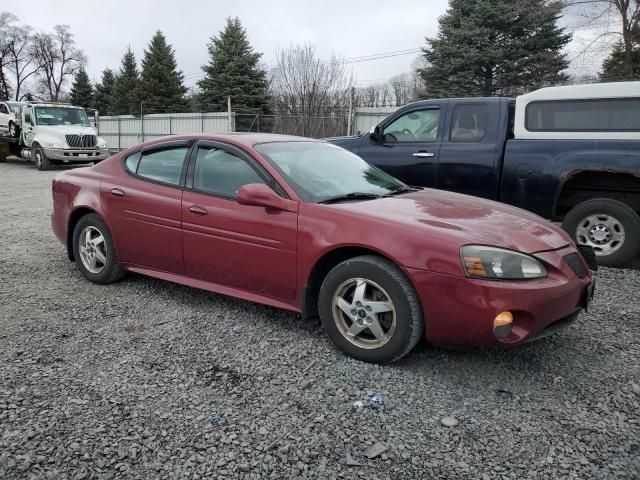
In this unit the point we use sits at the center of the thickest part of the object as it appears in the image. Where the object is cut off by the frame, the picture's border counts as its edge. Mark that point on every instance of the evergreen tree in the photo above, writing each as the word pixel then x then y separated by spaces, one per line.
pixel 81 90
pixel 161 85
pixel 233 71
pixel 127 87
pixel 613 67
pixel 495 47
pixel 104 93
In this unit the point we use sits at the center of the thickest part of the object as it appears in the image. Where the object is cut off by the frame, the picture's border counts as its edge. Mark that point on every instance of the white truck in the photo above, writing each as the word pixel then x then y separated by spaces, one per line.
pixel 55 133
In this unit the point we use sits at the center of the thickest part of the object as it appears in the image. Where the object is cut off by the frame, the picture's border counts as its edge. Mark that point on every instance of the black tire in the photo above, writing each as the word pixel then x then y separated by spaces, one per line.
pixel 409 323
pixel 39 158
pixel 628 249
pixel 112 271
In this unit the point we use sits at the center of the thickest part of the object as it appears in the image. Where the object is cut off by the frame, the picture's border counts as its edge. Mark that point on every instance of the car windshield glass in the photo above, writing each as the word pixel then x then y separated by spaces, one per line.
pixel 61 116
pixel 13 106
pixel 319 171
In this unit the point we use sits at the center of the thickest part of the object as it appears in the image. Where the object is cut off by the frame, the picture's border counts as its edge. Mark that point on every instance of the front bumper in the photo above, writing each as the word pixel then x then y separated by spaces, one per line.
pixel 76 155
pixel 460 310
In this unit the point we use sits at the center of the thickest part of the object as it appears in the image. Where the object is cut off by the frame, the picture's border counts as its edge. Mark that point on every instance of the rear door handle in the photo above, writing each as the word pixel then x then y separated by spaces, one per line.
pixel 116 192
pixel 423 154
pixel 197 210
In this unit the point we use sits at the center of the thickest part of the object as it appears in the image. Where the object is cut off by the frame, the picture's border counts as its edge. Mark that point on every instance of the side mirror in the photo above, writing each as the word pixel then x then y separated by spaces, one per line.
pixel 376 134
pixel 27 118
pixel 260 195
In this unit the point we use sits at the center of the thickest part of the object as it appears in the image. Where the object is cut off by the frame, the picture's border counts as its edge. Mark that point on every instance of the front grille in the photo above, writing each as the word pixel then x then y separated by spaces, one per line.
pixel 81 141
pixel 573 260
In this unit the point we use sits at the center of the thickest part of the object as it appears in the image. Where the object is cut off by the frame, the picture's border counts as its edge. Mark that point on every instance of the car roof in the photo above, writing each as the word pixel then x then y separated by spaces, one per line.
pixel 237 138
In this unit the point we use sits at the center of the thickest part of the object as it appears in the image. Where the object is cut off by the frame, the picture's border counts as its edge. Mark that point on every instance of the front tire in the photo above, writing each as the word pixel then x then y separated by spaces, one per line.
pixel 611 227
pixel 94 251
pixel 370 310
pixel 40 158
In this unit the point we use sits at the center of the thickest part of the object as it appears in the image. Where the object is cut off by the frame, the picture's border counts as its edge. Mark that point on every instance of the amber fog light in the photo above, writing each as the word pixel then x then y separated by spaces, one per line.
pixel 502 324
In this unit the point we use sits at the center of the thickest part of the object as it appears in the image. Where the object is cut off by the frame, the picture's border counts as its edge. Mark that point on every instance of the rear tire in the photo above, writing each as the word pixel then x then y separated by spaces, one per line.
pixel 611 227
pixel 40 158
pixel 388 320
pixel 94 251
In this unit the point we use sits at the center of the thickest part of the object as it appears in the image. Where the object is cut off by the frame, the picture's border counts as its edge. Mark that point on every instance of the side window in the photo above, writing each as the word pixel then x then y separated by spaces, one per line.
pixel 222 173
pixel 469 122
pixel 162 165
pixel 131 163
pixel 3 108
pixel 417 126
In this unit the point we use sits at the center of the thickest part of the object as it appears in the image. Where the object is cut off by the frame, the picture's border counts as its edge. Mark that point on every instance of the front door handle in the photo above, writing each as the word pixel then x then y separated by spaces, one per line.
pixel 423 154
pixel 197 210
pixel 116 192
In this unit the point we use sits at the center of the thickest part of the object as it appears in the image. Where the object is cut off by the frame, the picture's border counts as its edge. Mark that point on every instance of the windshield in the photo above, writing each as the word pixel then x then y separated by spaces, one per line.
pixel 13 106
pixel 320 171
pixel 61 116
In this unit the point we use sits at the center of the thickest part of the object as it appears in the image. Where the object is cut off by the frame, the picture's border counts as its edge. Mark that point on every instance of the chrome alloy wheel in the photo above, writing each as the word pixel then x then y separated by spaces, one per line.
pixel 602 232
pixel 93 249
pixel 364 313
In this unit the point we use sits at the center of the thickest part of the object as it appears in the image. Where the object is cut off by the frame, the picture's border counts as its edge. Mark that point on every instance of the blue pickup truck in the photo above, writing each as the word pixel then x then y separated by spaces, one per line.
pixel 569 154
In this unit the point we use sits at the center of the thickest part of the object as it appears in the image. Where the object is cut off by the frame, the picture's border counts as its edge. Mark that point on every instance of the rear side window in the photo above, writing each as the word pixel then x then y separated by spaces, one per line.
pixel 159 165
pixel 469 122
pixel 598 115
pixel 222 173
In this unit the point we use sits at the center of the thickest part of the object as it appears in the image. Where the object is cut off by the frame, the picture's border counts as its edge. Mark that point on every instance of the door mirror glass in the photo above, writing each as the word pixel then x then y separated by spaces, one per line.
pixel 27 118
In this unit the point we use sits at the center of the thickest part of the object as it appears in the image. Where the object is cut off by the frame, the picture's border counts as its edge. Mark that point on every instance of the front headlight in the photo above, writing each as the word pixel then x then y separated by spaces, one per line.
pixel 102 144
pixel 56 145
pixel 500 264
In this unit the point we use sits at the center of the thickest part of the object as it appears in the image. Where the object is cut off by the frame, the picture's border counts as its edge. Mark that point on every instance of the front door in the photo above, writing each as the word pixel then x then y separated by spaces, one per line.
pixel 4 117
pixel 144 203
pixel 408 145
pixel 246 247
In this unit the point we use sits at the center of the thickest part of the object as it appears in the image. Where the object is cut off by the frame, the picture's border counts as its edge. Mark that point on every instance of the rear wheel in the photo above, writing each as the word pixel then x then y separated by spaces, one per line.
pixel 94 251
pixel 39 158
pixel 610 227
pixel 370 310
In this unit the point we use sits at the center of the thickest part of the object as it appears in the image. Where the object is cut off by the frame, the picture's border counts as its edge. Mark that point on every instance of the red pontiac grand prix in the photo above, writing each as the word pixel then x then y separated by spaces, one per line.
pixel 306 226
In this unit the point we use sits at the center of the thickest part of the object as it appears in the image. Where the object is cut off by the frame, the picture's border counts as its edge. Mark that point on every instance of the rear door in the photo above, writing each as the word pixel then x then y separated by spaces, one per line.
pixel 470 149
pixel 144 203
pixel 409 144
pixel 241 246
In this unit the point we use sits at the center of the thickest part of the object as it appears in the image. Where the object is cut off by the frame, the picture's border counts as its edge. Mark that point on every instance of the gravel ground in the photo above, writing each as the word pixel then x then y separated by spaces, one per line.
pixel 146 379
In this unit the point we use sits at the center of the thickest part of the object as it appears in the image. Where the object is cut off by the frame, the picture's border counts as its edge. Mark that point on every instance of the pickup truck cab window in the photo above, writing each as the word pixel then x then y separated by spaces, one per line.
pixel 3 108
pixel 469 122
pixel 415 126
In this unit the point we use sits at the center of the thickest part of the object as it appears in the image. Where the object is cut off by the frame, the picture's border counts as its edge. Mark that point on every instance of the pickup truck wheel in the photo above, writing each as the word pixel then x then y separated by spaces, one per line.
pixel 94 251
pixel 611 227
pixel 40 159
pixel 370 310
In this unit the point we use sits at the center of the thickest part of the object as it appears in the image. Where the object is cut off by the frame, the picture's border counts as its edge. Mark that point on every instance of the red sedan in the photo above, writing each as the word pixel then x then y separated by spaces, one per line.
pixel 309 227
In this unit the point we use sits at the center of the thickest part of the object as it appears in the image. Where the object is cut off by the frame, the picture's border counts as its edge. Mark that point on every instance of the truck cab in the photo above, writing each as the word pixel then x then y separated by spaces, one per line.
pixel 59 133
pixel 452 144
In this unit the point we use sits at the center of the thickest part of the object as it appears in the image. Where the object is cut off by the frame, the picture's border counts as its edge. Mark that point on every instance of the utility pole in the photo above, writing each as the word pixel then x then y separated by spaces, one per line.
pixel 350 115
pixel 229 113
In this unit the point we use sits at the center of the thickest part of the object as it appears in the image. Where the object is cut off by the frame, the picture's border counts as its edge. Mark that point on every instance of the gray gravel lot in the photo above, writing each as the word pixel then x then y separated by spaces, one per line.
pixel 146 379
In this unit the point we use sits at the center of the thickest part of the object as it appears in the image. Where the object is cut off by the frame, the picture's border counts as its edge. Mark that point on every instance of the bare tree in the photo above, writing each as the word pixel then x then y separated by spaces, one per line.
pixel 301 83
pixel 626 14
pixel 377 95
pixel 21 57
pixel 58 60
pixel 7 21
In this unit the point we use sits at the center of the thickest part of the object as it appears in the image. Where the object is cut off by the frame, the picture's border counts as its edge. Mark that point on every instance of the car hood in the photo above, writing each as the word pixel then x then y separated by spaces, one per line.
pixel 61 130
pixel 351 143
pixel 464 220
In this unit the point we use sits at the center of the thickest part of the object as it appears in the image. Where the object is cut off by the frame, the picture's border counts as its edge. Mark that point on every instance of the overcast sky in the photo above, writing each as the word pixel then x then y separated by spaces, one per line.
pixel 350 28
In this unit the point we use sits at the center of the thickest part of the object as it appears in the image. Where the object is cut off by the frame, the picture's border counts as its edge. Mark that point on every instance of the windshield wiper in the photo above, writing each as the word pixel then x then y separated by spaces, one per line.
pixel 399 190
pixel 350 196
